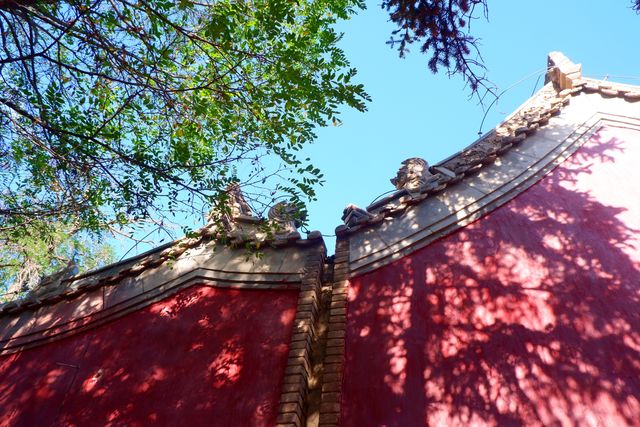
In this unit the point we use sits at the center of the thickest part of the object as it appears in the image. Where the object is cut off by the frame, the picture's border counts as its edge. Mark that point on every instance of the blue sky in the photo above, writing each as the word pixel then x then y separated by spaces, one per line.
pixel 415 113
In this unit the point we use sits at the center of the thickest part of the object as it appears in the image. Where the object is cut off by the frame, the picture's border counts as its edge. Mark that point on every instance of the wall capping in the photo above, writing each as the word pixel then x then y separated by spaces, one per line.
pixel 487 202
pixel 63 317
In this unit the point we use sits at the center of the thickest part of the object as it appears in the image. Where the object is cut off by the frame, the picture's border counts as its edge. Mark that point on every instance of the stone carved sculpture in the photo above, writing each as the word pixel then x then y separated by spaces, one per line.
pixel 235 206
pixel 286 216
pixel 237 203
pixel 413 174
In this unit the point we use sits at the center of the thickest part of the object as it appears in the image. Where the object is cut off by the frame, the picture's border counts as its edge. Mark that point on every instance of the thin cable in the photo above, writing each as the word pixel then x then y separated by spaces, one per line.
pixel 383 194
pixel 536 85
pixel 606 76
pixel 137 243
pixel 538 73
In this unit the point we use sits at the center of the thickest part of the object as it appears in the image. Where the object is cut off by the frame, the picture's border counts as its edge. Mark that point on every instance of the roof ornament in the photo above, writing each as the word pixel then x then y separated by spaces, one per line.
pixel 413 174
pixel 238 205
pixel 562 71
pixel 235 207
pixel 353 215
pixel 287 217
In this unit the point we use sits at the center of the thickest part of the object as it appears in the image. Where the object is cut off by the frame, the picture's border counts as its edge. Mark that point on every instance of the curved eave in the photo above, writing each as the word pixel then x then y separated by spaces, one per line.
pixel 76 305
pixel 490 172
pixel 243 235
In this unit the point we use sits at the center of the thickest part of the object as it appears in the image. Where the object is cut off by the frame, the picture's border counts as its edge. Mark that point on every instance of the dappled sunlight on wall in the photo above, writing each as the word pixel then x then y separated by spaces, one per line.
pixel 529 316
pixel 205 356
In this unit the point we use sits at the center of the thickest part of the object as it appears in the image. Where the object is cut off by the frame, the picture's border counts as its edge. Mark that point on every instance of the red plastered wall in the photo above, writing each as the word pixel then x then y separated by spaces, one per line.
pixel 529 316
pixel 205 356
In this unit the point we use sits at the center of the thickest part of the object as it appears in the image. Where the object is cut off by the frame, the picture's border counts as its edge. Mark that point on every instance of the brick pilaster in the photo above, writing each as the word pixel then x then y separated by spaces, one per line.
pixel 298 370
pixel 334 356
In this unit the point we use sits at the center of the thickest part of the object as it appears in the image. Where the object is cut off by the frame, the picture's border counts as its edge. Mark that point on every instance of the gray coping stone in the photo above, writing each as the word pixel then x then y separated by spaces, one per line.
pixel 414 220
pixel 50 316
pixel 211 265
pixel 125 290
pixel 13 326
pixel 287 261
pixel 547 138
pixel 501 172
pixel 519 164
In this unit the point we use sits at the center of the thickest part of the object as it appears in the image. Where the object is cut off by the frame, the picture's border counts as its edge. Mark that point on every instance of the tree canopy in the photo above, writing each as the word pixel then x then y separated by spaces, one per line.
pixel 47 249
pixel 442 29
pixel 113 111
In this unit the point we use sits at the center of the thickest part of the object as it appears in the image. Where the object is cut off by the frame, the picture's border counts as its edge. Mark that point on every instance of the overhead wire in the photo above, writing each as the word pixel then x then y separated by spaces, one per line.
pixel 495 100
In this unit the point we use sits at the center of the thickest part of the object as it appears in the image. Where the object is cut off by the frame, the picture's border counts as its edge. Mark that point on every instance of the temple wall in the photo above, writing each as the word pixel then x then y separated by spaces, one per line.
pixel 527 316
pixel 216 336
pixel 198 357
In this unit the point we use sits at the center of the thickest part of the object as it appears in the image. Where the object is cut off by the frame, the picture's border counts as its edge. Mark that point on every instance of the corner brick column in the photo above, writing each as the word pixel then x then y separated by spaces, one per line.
pixel 335 350
pixel 296 378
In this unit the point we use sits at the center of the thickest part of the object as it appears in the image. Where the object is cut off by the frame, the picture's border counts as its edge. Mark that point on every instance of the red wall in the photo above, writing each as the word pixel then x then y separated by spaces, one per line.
pixel 530 315
pixel 205 356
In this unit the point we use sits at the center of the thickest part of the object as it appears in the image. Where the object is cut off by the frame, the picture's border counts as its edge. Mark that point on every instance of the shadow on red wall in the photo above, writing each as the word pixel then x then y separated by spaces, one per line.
pixel 529 316
pixel 205 356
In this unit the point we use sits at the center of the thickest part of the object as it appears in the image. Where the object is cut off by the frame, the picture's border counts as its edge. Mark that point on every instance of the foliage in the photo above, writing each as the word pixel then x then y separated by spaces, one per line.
pixel 442 29
pixel 114 111
pixel 49 247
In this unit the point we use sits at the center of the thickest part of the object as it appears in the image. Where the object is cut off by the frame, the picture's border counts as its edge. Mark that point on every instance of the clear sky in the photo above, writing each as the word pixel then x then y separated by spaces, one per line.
pixel 414 113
